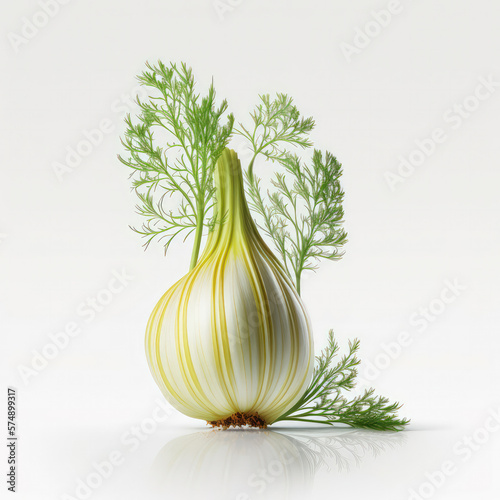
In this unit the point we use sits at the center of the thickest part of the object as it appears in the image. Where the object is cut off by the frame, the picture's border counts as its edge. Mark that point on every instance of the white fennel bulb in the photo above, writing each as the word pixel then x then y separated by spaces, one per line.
pixel 232 337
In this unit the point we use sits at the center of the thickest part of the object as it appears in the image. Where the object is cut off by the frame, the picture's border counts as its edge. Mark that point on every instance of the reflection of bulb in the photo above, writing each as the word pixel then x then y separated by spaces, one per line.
pixel 235 465
pixel 259 465
pixel 233 335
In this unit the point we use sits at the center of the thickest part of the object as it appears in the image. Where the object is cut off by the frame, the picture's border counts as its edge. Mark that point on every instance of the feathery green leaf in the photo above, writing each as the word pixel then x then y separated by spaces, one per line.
pixel 325 402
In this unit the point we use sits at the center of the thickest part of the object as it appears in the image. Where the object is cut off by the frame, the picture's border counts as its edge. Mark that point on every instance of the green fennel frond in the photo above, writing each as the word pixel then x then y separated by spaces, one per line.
pixel 191 135
pixel 303 214
pixel 325 402
pixel 277 125
pixel 308 212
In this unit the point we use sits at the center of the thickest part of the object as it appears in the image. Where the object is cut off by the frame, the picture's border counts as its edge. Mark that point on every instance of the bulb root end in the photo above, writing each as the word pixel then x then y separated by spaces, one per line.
pixel 239 419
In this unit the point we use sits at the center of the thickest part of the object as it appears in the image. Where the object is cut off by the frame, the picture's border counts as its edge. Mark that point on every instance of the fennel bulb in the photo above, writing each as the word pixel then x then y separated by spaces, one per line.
pixel 232 336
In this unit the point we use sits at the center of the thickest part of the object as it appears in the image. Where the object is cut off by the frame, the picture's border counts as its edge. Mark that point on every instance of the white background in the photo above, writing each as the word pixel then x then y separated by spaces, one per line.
pixel 62 239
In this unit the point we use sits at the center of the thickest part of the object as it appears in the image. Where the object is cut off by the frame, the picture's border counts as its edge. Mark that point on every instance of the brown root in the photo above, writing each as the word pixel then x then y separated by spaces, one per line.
pixel 239 419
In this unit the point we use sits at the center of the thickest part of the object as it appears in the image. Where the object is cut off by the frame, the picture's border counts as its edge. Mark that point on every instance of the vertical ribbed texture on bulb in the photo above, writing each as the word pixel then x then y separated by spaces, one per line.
pixel 232 335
